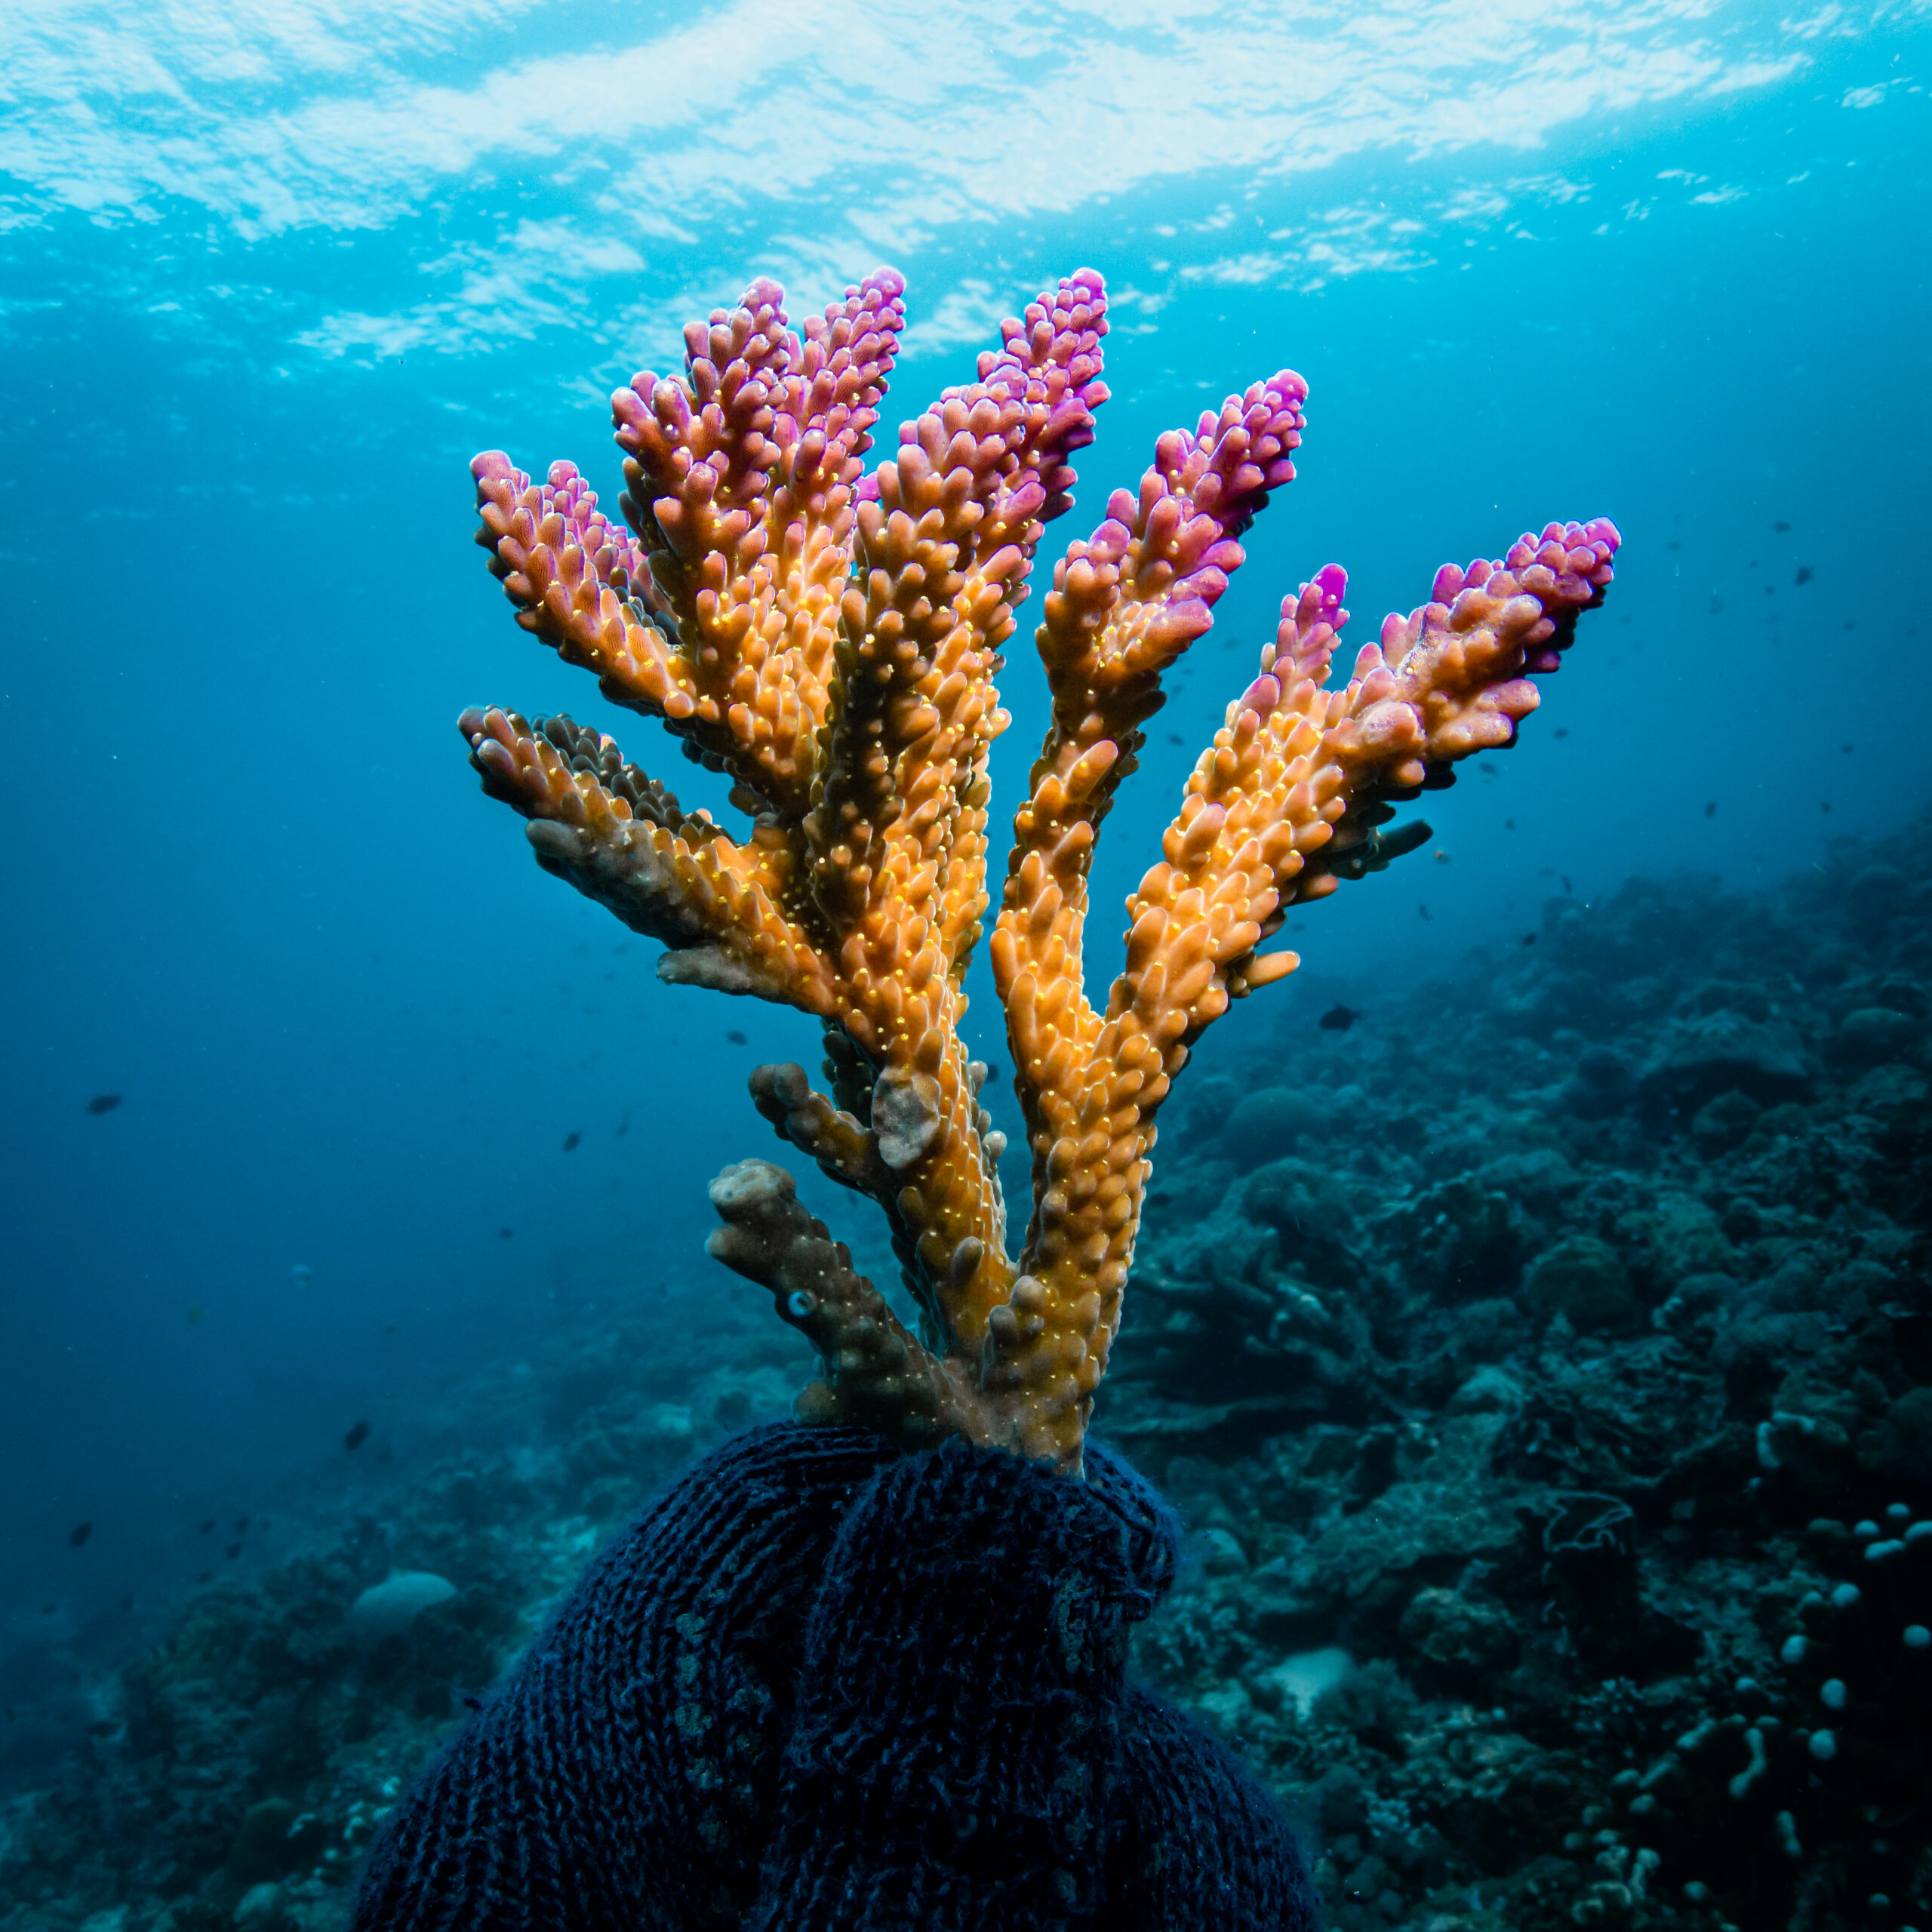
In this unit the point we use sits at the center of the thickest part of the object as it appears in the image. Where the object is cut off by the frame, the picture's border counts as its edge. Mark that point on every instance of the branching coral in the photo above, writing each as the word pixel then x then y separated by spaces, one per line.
pixel 829 638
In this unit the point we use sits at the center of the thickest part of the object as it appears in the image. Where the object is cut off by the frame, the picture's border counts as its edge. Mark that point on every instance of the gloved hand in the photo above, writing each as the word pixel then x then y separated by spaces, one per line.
pixel 823 1687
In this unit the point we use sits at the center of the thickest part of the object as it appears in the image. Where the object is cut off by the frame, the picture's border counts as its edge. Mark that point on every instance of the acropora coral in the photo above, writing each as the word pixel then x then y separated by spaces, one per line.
pixel 829 638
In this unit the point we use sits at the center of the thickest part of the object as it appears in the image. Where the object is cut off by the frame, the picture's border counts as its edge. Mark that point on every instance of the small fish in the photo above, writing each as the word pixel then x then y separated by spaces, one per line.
pixel 572 1141
pixel 195 1315
pixel 127 1604
pixel 1805 573
pixel 1338 1018
pixel 79 1534
pixel 1509 825
pixel 103 1103
pixel 1529 938
pixel 1824 804
pixel 1563 731
pixel 356 1436
pixel 1673 545
pixel 234 1550
pixel 1175 738
pixel 240 1526
pixel 1441 857
pixel 207 1526
pixel 1427 914
pixel 1710 808
pixel 470 1698
pixel 1780 527
pixel 736 1039
pixel 507 1234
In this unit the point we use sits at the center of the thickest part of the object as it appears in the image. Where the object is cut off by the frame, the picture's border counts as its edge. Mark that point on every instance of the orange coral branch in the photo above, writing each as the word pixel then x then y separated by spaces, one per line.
pixel 622 839
pixel 832 640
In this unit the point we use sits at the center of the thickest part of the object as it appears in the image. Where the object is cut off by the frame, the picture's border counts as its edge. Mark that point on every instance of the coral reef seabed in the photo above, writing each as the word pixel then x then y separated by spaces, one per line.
pixel 1555 1440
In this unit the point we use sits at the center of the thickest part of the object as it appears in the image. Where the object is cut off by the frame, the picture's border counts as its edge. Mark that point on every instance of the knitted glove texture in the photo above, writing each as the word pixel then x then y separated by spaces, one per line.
pixel 822 1687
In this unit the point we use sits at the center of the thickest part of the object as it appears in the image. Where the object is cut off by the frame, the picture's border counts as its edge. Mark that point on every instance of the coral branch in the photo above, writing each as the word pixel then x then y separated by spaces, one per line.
pixel 622 839
pixel 874 1371
pixel 1125 604
pixel 831 640
pixel 739 479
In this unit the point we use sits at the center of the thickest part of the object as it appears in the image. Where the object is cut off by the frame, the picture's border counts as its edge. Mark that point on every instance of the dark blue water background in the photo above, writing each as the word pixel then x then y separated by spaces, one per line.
pixel 251 885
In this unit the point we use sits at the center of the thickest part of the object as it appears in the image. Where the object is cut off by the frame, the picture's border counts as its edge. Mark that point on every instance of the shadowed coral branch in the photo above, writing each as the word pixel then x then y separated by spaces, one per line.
pixel 830 639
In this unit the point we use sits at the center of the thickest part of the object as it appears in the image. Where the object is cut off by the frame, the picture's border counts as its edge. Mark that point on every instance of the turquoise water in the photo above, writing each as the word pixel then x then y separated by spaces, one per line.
pixel 270 275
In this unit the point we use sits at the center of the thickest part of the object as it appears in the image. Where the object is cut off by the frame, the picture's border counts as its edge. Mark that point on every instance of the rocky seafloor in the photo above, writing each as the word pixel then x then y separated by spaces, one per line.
pixel 1543 1364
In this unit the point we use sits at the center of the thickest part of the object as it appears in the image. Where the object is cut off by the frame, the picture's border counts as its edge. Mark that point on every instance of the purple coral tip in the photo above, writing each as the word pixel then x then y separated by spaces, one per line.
pixel 1263 696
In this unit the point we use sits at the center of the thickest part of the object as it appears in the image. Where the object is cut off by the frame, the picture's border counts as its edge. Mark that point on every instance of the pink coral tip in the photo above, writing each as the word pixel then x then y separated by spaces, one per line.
pixel 1177 626
pixel 1263 696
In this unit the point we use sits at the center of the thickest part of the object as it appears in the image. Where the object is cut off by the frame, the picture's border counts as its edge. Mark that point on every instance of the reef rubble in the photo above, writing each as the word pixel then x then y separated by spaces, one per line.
pixel 1585 1414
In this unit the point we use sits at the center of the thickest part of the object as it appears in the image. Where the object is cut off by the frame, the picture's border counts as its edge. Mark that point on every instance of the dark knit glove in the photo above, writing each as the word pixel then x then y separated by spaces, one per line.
pixel 951 1757
pixel 821 1687
pixel 1195 1842
pixel 622 1780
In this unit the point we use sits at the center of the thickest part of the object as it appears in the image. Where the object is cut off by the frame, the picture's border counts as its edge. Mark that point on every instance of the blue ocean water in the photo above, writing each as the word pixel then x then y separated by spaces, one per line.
pixel 392 1104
